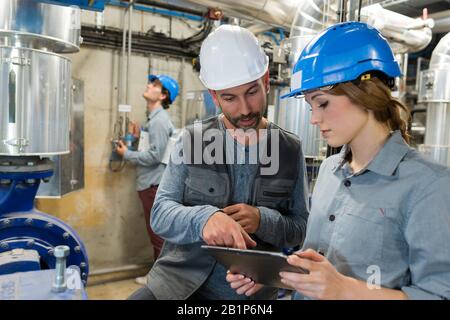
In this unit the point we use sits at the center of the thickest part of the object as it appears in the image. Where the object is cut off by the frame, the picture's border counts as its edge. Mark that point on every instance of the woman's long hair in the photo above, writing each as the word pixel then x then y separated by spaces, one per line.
pixel 373 94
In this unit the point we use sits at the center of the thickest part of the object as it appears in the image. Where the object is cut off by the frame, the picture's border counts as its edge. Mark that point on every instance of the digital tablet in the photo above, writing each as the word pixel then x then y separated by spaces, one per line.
pixel 261 266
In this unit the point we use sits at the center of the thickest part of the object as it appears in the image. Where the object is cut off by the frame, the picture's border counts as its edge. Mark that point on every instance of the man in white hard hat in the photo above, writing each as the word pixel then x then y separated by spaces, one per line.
pixel 217 194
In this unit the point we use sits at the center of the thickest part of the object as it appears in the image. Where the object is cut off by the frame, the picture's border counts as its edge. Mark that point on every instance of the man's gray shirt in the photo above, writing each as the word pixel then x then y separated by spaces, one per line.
pixel 181 224
pixel 149 168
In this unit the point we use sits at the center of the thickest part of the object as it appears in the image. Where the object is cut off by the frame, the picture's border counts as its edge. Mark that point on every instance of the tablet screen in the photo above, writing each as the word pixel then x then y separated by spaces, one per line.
pixel 261 266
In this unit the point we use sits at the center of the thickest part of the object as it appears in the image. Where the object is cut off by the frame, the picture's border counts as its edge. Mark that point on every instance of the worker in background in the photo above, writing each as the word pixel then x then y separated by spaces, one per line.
pixel 380 216
pixel 227 204
pixel 160 94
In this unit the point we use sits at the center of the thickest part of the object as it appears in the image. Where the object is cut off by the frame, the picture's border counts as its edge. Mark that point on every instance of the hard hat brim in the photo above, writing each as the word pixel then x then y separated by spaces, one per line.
pixel 236 83
pixel 152 77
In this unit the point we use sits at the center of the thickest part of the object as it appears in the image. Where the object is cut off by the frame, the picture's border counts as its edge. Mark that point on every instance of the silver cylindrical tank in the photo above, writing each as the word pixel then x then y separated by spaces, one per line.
pixel 35 81
pixel 434 89
pixel 37 25
pixel 35 102
pixel 294 114
pixel 437 132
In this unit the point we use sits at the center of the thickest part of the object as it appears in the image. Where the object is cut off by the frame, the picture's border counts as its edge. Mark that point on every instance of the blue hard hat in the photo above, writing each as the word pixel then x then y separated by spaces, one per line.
pixel 168 83
pixel 341 53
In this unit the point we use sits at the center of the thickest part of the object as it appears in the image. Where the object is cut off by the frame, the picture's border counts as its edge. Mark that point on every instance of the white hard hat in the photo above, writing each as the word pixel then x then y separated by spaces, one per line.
pixel 231 56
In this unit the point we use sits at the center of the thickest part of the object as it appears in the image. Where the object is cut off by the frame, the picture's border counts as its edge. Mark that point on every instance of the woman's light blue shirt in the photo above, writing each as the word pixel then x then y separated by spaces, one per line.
pixel 388 224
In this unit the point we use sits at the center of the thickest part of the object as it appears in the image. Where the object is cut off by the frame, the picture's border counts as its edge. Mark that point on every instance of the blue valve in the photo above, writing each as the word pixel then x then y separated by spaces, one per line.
pixel 129 139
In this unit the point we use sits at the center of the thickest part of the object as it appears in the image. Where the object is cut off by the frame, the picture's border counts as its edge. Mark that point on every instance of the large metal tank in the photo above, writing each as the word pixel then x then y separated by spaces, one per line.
pixel 35 101
pixel 34 79
pixel 199 106
pixel 435 91
pixel 32 24
pixel 294 114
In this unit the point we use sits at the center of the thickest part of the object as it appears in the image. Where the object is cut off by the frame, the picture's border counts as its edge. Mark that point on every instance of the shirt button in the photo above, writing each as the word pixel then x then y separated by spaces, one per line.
pixel 347 183
pixel 332 217
pixel 211 190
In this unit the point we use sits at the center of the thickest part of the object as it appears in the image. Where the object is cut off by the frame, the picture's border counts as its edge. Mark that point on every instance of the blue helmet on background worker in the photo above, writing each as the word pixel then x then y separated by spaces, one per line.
pixel 341 53
pixel 168 83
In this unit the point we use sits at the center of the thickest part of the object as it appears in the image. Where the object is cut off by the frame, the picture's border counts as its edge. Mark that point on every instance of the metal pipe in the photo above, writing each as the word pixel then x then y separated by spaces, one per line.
pixel 121 64
pixel 413 112
pixel 418 70
pixel 400 82
pixel 258 28
pixel 183 92
pixel 118 269
pixel 178 12
pixel 170 7
pixel 441 21
pixel 342 12
pixel 120 94
pixel 130 32
pixel 352 11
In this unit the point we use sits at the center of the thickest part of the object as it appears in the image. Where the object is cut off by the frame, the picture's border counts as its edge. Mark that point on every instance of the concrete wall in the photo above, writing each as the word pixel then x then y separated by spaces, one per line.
pixel 107 213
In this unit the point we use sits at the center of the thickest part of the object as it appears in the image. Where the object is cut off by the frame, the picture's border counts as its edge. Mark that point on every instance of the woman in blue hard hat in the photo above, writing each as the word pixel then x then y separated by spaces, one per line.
pixel 379 226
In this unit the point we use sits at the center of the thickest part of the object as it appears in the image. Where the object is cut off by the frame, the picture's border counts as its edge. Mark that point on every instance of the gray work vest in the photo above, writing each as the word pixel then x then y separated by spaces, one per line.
pixel 181 269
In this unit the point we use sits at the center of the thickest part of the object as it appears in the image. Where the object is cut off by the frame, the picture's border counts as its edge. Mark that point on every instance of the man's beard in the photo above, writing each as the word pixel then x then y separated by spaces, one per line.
pixel 253 115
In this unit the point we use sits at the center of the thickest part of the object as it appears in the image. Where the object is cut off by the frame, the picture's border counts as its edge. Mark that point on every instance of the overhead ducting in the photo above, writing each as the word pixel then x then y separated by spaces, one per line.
pixel 304 19
pixel 441 21
pixel 435 92
pixel 273 12
pixel 404 33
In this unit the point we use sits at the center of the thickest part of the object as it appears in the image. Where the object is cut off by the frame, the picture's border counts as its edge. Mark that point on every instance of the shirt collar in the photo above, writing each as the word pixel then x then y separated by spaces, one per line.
pixel 155 112
pixel 387 159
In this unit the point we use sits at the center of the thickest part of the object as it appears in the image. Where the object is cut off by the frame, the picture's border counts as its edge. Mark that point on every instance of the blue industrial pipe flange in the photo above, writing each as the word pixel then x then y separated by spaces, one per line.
pixel 23 227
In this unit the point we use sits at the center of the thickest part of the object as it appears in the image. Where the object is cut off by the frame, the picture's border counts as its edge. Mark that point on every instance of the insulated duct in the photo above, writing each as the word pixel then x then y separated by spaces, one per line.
pixel 306 18
pixel 435 91
pixel 312 16
pixel 273 12
pixel 441 21
pixel 404 33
